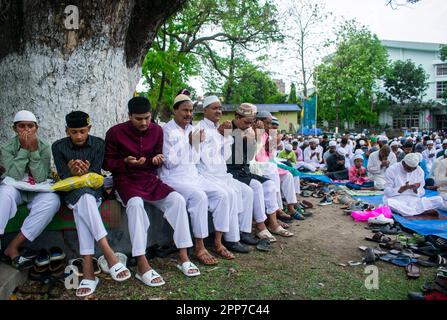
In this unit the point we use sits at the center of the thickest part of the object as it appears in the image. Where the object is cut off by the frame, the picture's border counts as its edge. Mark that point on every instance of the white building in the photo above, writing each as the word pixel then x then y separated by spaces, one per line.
pixel 427 55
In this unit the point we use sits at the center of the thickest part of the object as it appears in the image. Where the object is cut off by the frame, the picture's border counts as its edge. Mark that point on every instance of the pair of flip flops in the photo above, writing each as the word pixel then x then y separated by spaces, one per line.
pixel 400 260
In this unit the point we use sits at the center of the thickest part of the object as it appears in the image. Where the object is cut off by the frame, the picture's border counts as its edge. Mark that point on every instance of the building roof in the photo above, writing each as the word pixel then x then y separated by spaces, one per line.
pixel 261 107
pixel 420 46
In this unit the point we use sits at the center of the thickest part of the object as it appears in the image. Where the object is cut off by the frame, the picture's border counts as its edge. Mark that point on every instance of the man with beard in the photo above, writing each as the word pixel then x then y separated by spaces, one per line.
pixel 331 150
pixel 378 163
pixel 313 155
pixel 181 151
pixel 133 155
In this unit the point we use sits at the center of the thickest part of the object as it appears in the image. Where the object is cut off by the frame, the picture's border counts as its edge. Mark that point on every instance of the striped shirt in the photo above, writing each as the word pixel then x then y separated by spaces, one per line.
pixel 64 151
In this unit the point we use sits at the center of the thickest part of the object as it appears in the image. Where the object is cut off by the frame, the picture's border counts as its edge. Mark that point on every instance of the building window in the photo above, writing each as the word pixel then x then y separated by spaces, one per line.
pixel 406 120
pixel 441 87
pixel 441 69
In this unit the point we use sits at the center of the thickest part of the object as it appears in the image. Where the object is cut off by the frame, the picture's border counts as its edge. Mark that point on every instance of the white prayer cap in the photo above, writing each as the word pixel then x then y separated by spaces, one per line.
pixel 359 151
pixel 294 141
pixel 316 141
pixel 351 137
pixel 210 100
pixel 338 139
pixel 420 156
pixel 412 160
pixel 362 142
pixel 341 151
pixel 445 152
pixel 430 142
pixel 332 143
pixel 382 138
pixel 438 141
pixel 394 144
pixel 25 115
pixel 358 156
pixel 445 141
pixel 288 147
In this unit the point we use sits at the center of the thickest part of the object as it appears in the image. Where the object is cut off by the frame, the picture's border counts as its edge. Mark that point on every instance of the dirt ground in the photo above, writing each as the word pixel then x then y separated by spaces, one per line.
pixel 304 266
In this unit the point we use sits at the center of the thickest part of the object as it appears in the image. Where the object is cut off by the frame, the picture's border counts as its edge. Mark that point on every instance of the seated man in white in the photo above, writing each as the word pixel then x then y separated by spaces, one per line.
pixel 378 163
pixel 404 188
pixel 313 155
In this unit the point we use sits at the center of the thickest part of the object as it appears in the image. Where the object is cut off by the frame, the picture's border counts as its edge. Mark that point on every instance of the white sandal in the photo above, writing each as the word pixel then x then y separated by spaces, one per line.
pixel 185 267
pixel 148 277
pixel 87 284
pixel 265 234
pixel 117 269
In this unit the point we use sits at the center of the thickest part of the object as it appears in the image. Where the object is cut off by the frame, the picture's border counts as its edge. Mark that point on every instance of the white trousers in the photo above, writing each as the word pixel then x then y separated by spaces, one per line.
pixel 203 195
pixel 242 220
pixel 288 187
pixel 89 224
pixel 174 211
pixel 258 201
pixel 379 181
pixel 297 182
pixel 412 206
pixel 42 209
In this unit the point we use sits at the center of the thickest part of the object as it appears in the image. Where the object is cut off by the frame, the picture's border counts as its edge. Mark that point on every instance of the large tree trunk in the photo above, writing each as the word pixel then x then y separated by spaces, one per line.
pixel 51 70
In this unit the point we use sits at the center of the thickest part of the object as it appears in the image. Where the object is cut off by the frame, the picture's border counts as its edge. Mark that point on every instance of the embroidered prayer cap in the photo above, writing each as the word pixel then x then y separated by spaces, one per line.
pixel 77 119
pixel 275 121
pixel 210 100
pixel 247 110
pixel 181 98
pixel 394 143
pixel 430 142
pixel 412 160
pixel 332 143
pixel 263 114
pixel 25 115
pixel 139 105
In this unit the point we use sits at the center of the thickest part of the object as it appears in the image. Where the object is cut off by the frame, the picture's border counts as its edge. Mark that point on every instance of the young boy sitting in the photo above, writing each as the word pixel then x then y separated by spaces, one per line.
pixel 357 176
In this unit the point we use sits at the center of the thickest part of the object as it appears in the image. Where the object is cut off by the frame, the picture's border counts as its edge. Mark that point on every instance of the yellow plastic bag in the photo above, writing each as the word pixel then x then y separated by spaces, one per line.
pixel 89 180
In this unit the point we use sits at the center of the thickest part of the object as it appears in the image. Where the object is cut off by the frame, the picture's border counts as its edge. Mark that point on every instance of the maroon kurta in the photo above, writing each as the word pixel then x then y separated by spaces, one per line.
pixel 125 140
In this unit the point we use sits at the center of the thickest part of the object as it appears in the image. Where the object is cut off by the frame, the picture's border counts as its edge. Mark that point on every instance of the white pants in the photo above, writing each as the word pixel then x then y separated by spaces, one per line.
pixel 242 221
pixel 297 182
pixel 288 187
pixel 201 196
pixel 412 206
pixel 174 211
pixel 259 200
pixel 88 224
pixel 270 171
pixel 42 209
pixel 379 181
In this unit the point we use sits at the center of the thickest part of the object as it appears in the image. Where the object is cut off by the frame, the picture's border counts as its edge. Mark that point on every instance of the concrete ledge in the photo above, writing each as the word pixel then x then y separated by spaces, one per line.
pixel 10 279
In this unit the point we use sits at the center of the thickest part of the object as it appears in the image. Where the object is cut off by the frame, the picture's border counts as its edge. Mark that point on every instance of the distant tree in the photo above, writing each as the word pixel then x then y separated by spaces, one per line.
pixel 292 96
pixel 397 3
pixel 406 82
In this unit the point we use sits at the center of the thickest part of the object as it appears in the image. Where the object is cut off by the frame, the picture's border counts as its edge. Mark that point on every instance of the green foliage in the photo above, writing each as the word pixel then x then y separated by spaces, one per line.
pixel 254 86
pixel 406 82
pixel 346 81
pixel 443 52
pixel 292 96
pixel 184 46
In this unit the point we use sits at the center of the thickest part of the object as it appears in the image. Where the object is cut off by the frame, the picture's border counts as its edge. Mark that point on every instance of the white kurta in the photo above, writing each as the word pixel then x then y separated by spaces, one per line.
pixel 316 159
pixel 407 203
pixel 429 160
pixel 375 172
pixel 214 152
pixel 179 172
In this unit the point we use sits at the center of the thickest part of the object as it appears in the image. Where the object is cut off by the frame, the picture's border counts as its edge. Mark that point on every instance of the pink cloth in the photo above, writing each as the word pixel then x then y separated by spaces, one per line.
pixel 299 154
pixel 355 178
pixel 365 215
pixel 263 155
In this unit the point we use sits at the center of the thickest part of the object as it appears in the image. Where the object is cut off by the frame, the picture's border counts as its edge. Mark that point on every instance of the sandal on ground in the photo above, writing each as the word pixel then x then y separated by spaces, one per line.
pixel 413 271
pixel 202 257
pixel 224 253
pixel 187 266
pixel 118 268
pixel 87 284
pixel 281 232
pixel 379 237
pixel 265 234
pixel 150 276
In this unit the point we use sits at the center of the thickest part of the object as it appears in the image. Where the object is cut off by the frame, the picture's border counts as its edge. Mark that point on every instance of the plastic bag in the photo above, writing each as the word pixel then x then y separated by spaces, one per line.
pixel 89 180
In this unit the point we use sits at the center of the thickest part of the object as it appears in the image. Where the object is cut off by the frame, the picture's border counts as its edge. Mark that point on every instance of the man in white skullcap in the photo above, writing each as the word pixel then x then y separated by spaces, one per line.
pixel 181 152
pixel 313 154
pixel 214 152
pixel 382 140
pixel 438 175
pixel 404 188
pixel 26 158
pixel 336 168
pixel 429 154
pixel 378 163
pixel 332 147
pixel 288 154
pixel 400 154
pixel 444 147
